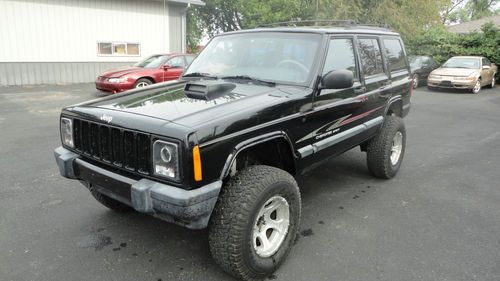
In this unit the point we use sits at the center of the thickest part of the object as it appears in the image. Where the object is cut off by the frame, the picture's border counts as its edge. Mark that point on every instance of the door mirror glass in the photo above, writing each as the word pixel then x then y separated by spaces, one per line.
pixel 338 79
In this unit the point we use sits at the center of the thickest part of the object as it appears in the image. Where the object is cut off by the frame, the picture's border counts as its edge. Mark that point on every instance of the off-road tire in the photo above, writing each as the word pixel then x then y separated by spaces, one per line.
pixel 231 225
pixel 378 150
pixel 109 202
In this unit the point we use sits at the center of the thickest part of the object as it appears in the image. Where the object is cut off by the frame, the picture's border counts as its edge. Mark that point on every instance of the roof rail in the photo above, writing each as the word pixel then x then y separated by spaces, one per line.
pixel 319 23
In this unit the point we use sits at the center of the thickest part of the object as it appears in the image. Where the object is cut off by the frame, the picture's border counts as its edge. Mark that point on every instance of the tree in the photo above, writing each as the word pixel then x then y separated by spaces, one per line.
pixel 472 10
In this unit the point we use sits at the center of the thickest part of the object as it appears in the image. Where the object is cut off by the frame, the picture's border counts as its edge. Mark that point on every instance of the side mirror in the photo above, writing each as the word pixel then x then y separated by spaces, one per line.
pixel 166 66
pixel 486 67
pixel 338 79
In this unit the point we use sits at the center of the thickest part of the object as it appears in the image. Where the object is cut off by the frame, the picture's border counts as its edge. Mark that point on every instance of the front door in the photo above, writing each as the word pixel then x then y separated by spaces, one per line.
pixel 334 111
pixel 176 68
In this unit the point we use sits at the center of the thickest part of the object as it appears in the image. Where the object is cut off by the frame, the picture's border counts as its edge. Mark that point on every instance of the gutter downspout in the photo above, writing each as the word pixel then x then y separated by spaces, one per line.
pixel 184 28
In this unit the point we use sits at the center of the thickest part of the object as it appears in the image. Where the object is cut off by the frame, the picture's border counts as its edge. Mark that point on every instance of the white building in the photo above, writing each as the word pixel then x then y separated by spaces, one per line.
pixel 72 41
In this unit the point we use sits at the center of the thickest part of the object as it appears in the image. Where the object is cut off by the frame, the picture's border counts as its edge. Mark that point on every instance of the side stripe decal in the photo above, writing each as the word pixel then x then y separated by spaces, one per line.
pixel 322 144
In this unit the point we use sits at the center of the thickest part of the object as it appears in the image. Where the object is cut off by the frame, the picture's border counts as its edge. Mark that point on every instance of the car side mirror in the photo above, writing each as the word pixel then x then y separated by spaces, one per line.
pixel 166 66
pixel 486 67
pixel 338 79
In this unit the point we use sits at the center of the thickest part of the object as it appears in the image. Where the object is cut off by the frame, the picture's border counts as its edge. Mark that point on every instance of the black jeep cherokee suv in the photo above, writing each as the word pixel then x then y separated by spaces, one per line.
pixel 219 147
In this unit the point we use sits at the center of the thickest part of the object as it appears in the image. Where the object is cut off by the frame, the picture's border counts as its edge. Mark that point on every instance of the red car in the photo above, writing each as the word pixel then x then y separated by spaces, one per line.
pixel 154 69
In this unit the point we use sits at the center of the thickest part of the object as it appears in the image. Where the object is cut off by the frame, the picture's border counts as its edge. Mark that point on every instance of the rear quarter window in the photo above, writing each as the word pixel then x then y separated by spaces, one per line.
pixel 395 54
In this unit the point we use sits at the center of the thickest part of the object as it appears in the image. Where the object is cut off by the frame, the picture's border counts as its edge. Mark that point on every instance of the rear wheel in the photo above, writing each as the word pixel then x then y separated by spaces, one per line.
pixel 386 150
pixel 143 82
pixel 493 81
pixel 255 222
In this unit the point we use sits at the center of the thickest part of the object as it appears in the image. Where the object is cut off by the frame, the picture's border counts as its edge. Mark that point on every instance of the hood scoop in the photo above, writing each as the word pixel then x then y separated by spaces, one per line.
pixel 207 89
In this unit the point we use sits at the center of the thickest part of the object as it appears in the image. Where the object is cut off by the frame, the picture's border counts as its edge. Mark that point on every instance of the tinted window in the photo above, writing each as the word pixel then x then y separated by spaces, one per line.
pixel 340 56
pixel 395 54
pixel 371 58
pixel 486 62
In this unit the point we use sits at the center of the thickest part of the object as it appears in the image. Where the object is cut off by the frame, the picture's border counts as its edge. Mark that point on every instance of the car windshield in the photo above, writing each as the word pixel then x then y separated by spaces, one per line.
pixel 152 61
pixel 471 63
pixel 271 56
pixel 415 61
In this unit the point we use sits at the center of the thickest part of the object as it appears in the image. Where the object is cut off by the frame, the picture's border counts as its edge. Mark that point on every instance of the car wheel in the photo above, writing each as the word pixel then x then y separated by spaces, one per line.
pixel 493 81
pixel 255 222
pixel 416 81
pixel 143 82
pixel 109 202
pixel 386 150
pixel 477 87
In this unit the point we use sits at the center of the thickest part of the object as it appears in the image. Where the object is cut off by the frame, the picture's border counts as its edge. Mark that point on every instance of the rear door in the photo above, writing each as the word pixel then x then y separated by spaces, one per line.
pixel 399 70
pixel 377 81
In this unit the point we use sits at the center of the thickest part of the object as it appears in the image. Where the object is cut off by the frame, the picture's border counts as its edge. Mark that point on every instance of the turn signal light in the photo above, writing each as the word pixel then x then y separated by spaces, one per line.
pixel 197 163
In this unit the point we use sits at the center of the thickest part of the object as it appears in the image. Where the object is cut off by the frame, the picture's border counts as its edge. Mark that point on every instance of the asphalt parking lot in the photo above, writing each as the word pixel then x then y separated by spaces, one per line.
pixel 439 219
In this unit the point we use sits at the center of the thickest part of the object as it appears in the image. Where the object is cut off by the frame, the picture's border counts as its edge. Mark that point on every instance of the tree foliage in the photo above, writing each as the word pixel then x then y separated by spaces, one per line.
pixel 441 44
pixel 472 10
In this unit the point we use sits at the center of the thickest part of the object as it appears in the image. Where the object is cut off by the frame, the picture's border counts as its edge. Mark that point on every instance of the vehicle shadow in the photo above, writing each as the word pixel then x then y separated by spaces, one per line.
pixel 176 253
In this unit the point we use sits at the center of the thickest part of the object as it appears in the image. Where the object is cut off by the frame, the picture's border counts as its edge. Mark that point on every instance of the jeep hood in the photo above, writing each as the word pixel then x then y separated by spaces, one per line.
pixel 171 103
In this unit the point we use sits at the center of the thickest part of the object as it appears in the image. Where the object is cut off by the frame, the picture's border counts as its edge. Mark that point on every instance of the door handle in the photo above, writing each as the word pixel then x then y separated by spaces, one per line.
pixel 359 90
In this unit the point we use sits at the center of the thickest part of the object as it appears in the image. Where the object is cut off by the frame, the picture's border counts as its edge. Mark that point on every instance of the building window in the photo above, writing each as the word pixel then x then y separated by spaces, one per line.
pixel 118 49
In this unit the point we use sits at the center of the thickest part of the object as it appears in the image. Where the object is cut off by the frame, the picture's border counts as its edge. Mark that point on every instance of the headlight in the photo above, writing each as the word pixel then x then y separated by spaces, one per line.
pixel 166 159
pixel 117 80
pixel 67 132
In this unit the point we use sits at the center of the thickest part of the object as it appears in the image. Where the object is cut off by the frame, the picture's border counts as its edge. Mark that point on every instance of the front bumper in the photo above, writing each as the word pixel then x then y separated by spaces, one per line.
pixel 189 208
pixel 453 84
pixel 114 88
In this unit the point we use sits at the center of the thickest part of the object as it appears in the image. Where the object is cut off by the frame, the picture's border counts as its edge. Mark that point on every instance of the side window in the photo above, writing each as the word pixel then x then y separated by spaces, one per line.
pixel 371 58
pixel 395 54
pixel 341 56
pixel 486 62
pixel 177 62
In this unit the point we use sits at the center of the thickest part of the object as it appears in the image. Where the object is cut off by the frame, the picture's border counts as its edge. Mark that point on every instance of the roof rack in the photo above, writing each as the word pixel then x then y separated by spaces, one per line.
pixel 320 23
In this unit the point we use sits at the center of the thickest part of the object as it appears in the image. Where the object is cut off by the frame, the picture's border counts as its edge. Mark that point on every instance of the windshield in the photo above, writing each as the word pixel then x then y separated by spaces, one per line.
pixel 415 61
pixel 270 56
pixel 471 63
pixel 152 62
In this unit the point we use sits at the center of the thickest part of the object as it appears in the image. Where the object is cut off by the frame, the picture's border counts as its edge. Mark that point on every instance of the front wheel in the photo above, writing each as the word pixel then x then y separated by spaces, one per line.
pixel 255 222
pixel 477 87
pixel 386 150
pixel 143 82
pixel 416 81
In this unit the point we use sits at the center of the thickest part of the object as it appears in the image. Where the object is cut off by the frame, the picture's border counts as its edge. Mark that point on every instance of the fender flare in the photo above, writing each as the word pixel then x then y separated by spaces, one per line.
pixel 391 102
pixel 253 142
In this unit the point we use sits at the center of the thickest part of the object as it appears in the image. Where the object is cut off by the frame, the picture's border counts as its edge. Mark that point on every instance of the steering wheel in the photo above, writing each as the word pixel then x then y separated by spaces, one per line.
pixel 295 64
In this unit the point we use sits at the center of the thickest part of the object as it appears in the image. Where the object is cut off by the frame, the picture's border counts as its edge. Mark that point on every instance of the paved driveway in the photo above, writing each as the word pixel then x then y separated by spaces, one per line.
pixel 439 219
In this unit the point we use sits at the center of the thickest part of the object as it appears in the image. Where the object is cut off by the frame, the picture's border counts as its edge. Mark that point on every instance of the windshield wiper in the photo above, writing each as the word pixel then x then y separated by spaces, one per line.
pixel 250 78
pixel 200 74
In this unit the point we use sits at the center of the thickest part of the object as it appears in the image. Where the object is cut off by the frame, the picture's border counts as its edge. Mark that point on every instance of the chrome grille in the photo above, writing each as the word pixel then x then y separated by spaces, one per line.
pixel 119 147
